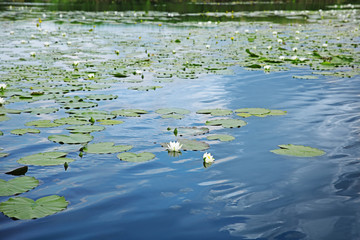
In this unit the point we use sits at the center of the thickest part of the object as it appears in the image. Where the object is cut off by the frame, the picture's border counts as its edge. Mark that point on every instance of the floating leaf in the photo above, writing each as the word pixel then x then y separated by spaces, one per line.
pixel 110 122
pixel 85 129
pixel 71 139
pixel 46 159
pixel 253 111
pixel 298 151
pixel 42 124
pixel 17 185
pixel 172 111
pixel 145 88
pixel 129 112
pixel 215 112
pixel 94 114
pixel 133 157
pixel 26 208
pixel 192 131
pixel 174 116
pixel 191 145
pixel 106 147
pixel 227 123
pixel 71 121
pixel 306 77
pixel 23 131
pixel 78 105
pixel 18 171
pixel 4 118
pixel 99 97
pixel 221 137
pixel 39 111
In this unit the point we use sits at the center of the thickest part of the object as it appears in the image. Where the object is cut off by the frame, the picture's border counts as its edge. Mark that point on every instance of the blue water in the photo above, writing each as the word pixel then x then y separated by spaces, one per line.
pixel 248 193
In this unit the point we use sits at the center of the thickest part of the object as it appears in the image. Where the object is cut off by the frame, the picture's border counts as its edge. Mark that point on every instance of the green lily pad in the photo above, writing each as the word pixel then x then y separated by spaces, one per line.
pixel 46 159
pixel 42 124
pixel 39 111
pixel 110 122
pixel 192 145
pixel 71 121
pixel 75 138
pixel 10 111
pixel 253 111
pixel 221 137
pixel 145 88
pixel 298 151
pixel 85 129
pixel 106 147
pixel 4 118
pixel 129 112
pixel 306 77
pixel 133 157
pixel 26 208
pixel 166 111
pixel 78 105
pixel 227 123
pixel 276 113
pixel 192 131
pixel 215 112
pixel 23 131
pixel 94 114
pixel 174 116
pixel 17 185
pixel 99 97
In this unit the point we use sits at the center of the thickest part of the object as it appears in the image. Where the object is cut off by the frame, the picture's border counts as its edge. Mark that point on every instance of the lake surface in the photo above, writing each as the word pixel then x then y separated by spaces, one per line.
pixel 192 61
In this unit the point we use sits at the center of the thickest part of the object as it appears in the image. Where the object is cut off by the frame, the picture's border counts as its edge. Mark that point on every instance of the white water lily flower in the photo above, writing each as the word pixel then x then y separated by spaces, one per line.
pixel 117 52
pixel 68 43
pixel 23 41
pixel 138 72
pixel 297 38
pixel 75 63
pixel 207 46
pixel 46 44
pixel 2 101
pixel 280 40
pixel 294 57
pixel 33 36
pixel 33 54
pixel 11 32
pixel 267 67
pixel 91 75
pixel 282 57
pixel 274 33
pixel 208 158
pixel 302 59
pixel 297 32
pixel 174 146
pixel 324 45
pixel 64 34
pixel 269 47
pixel 246 30
pixel 2 86
pixel 294 49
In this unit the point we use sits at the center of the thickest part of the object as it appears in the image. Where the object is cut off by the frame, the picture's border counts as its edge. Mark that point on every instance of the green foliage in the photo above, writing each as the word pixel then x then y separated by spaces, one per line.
pixel 17 185
pixel 45 159
pixel 298 151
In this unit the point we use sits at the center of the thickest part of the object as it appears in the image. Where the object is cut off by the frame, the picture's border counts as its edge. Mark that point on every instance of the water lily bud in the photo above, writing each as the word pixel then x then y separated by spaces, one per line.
pixel 294 49
pixel 32 54
pixel 23 41
pixel 267 67
pixel 46 44
pixel 2 101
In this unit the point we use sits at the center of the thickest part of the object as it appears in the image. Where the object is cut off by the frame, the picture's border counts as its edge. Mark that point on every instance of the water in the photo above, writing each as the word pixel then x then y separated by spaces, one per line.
pixel 248 193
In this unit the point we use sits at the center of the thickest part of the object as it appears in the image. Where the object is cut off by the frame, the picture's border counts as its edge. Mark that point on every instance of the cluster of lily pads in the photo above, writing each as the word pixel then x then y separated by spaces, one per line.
pixel 52 64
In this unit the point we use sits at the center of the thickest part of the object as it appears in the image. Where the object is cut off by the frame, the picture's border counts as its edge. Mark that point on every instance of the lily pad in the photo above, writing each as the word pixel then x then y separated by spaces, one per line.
pixel 39 111
pixel 106 147
pixel 215 112
pixel 43 124
pixel 172 111
pixel 192 131
pixel 129 112
pixel 46 159
pixel 174 116
pixel 71 121
pixel 4 118
pixel 110 122
pixel 94 114
pixel 133 157
pixel 221 137
pixel 227 123
pixel 192 145
pixel 23 131
pixel 99 97
pixel 306 77
pixel 17 185
pixel 78 105
pixel 85 129
pixel 18 171
pixel 298 151
pixel 26 208
pixel 145 88
pixel 71 139
pixel 253 111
